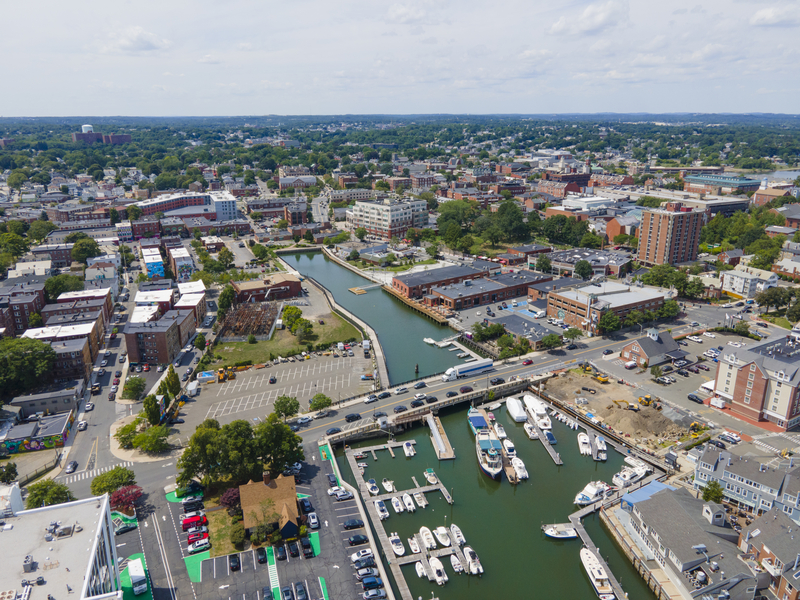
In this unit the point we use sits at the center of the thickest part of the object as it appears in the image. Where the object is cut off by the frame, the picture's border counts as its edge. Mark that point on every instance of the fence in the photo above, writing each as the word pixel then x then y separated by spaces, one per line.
pixel 40 471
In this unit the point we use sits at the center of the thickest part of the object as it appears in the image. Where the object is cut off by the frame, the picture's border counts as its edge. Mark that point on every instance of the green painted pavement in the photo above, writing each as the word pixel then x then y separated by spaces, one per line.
pixel 323 587
pixel 325 453
pixel 272 569
pixel 194 565
pixel 124 518
pixel 127 587
pixel 303 495
pixel 313 537
pixel 173 497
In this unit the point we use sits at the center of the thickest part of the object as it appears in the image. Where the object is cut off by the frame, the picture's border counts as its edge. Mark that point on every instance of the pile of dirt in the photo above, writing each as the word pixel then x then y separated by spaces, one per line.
pixel 647 422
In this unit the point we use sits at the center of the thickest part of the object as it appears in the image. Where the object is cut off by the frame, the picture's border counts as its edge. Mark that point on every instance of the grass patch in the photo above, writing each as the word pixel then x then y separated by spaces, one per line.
pixel 782 322
pixel 400 268
pixel 283 343
pixel 219 530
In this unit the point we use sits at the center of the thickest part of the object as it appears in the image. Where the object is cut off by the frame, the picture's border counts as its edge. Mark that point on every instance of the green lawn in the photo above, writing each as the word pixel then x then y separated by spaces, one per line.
pixel 283 343
pixel 399 268
pixel 219 531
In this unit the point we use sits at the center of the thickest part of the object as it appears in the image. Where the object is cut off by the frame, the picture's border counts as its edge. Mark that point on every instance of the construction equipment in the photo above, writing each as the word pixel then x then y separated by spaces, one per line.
pixel 645 400
pixel 220 375
pixel 587 368
pixel 621 403
pixel 695 429
pixel 231 373
pixel 786 453
pixel 601 378
pixel 626 405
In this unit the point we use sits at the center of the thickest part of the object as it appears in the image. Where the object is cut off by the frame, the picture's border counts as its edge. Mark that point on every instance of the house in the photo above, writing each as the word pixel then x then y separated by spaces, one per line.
pixel 769 540
pixel 653 349
pixel 776 230
pixel 263 501
pixel 731 257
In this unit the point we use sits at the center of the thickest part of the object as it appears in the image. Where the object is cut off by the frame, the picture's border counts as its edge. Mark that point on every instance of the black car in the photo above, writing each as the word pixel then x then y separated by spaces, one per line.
pixel 234 562
pixel 294 551
pixel 451 394
pixel 666 369
pixel 465 389
pixel 176 421
pixel 184 377
pixel 352 417
pixel 124 529
pixel 682 343
pixel 364 563
pixel 280 552
pixel 305 506
pixel 383 395
pixel 431 399
pixel 399 409
pixel 193 506
pixel 308 551
pixel 353 524
pixel 607 351
pixel 420 385
pixel 294 428
pixel 73 464
pixel 572 347
pixel 357 540
pixel 683 372
pixel 695 398
pixel 718 444
pixel 332 482
pixel 117 373
pixel 273 379
pixel 333 431
pixel 379 414
pixel 417 403
pixel 261 555
pixel 112 396
pixel 497 380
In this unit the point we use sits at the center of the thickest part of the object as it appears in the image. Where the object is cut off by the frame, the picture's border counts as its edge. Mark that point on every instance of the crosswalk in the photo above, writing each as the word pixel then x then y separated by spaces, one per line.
pixel 93 473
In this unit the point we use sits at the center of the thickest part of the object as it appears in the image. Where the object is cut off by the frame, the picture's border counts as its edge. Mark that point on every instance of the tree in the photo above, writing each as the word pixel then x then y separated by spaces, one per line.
pixel 8 473
pixel 152 440
pixel 134 387
pixel 277 445
pixel 134 212
pixel 573 333
pixel 669 309
pixel 226 258
pixel 742 328
pixel 550 341
pixel 433 250
pixel 14 244
pixel 24 365
pixel 230 498
pixel 238 455
pixel 73 237
pixel 16 180
pixel 237 534
pixel 286 406
pixel 360 233
pixel 282 224
pixel 112 480
pixel 35 320
pixel 47 493
pixel 173 382
pixel 319 402
pixel 543 264
pixel 60 284
pixel 125 498
pixel 290 315
pixel 609 322
pixel 656 371
pixel 113 214
pixel 151 409
pixel 84 250
pixel 583 269
pixel 197 233
pixel 304 330
pixel 202 456
pixel 713 492
pixel 127 433
pixel 353 255
pixel 591 240
pixel 200 342
pixel 40 229
pixel 251 339
pixel 226 298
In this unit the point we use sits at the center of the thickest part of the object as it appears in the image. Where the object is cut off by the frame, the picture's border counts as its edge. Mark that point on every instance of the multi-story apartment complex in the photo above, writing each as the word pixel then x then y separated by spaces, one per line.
pixel 159 342
pixel 222 204
pixel 60 254
pixel 73 360
pixel 350 195
pixel 388 218
pixel 745 282
pixel 181 263
pixel 669 235
pixel 762 382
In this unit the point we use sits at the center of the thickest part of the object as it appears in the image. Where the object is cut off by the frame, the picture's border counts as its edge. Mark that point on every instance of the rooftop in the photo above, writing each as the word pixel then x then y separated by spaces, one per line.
pixel 59 331
pixel 190 300
pixel 153 296
pixel 556 284
pixel 191 287
pixel 594 257
pixel 778 357
pixel 85 294
pixel 281 491
pixel 434 275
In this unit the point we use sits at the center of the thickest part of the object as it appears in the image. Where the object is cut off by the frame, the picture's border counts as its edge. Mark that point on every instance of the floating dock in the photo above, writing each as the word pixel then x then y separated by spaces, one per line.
pixel 441 444
pixel 357 290
pixel 550 450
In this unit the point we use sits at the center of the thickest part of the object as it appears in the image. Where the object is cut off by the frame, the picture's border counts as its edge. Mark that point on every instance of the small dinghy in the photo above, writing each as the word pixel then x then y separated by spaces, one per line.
pixel 420 570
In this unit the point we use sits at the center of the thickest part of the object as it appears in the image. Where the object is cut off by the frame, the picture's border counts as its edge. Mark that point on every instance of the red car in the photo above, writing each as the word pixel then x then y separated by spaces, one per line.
pixel 116 381
pixel 113 335
pixel 527 361
pixel 146 368
pixel 196 537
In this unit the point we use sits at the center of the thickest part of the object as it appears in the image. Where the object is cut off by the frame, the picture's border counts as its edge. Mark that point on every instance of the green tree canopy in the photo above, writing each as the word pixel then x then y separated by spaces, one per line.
pixel 200 342
pixel 134 387
pixel 40 229
pixel 226 298
pixel 173 382
pixel 226 258
pixel 609 322
pixel 112 480
pixel 360 233
pixel 286 406
pixel 583 269
pixel 134 212
pixel 8 473
pixel 152 440
pixel 573 333
pixel 14 244
pixel 84 250
pixel 60 284
pixel 202 457
pixel 277 445
pixel 47 493
pixel 320 401
pixel 713 492
pixel 25 364
pixel 152 412
pixel 543 263
pixel 550 341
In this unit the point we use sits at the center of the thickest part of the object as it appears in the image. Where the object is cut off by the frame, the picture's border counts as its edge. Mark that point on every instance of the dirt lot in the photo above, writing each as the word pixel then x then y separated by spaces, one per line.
pixel 647 424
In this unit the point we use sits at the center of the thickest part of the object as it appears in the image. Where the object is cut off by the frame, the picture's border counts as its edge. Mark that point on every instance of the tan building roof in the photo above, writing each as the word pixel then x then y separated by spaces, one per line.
pixel 280 491
pixel 257 284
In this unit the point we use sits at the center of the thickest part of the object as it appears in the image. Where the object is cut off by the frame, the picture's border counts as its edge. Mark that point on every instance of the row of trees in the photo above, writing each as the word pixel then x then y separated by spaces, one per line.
pixel 668 276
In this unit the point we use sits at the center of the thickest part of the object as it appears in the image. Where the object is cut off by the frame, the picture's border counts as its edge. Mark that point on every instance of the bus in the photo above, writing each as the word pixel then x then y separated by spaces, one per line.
pixel 138 576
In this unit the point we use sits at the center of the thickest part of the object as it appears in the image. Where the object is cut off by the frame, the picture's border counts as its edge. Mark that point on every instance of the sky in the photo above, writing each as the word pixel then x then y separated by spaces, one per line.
pixel 320 57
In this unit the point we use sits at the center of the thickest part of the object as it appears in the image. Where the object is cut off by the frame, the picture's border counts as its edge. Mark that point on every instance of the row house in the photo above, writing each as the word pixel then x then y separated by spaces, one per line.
pixel 557 189
pixel 60 254
pixel 19 302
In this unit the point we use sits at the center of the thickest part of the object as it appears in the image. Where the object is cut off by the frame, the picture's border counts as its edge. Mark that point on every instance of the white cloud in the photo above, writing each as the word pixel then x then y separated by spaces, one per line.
pixel 594 17
pixel 208 60
pixel 773 16
pixel 135 40
pixel 406 14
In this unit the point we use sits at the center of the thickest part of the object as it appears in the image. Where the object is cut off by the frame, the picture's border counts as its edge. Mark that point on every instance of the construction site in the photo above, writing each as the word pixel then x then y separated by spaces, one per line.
pixel 256 318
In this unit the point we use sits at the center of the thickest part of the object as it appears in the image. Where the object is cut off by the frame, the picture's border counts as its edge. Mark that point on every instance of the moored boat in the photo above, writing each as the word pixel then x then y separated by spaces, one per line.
pixel 397 545
pixel 519 468
pixel 584 444
pixel 597 575
pixel 409 503
pixel 508 446
pixel 560 531
pixel 430 477
pixel 531 431
pixel 487 448
pixel 362 465
pixel 412 543
pixel 359 455
pixel 456 564
pixel 477 422
pixel 429 340
pixel 383 512
pixel 630 475
pixel 409 450
pixel 551 439
pixel 594 491
pixel 397 505
pixel 427 538
pixel 500 431
pixel 473 563
pixel 388 485
pixel 419 498
pixel 455 534
pixel 600 444
pixel 420 569
pixel 515 410
pixel 442 535
pixel 373 487
pixel 438 570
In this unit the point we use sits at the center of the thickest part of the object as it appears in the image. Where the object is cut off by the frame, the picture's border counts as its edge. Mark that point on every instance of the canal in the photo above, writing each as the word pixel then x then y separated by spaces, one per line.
pixel 399 328
pixel 500 521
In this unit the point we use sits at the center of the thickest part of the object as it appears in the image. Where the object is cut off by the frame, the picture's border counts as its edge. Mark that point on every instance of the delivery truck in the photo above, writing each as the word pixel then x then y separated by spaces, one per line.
pixel 468 369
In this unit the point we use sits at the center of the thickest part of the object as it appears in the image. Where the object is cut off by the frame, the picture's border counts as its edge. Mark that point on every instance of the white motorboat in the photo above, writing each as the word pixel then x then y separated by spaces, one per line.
pixel 373 487
pixel 584 444
pixel 429 340
pixel 531 431
pixel 473 563
pixel 487 449
pixel 397 545
pixel 427 538
pixel 397 505
pixel 442 535
pixel 438 570
pixel 515 410
pixel 508 446
pixel 456 564
pixel 519 468
pixel 388 485
pixel 420 569
pixel 358 455
pixel 500 431
pixel 362 465
pixel 409 503
pixel 419 498
pixel 630 475
pixel 456 535
pixel 560 531
pixel 635 462
pixel 409 450
pixel 600 444
pixel 495 406
pixel 597 575
pixel 544 423
pixel 594 491
pixel 430 477
pixel 383 512
pixel 412 543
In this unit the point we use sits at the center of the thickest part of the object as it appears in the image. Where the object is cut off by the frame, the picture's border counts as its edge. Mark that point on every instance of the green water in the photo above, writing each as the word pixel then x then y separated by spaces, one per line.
pixel 400 329
pixel 500 521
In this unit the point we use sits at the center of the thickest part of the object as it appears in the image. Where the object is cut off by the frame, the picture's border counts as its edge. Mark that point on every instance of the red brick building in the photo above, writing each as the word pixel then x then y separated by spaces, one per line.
pixel 415 285
pixel 274 287
pixel 670 235
pixel 18 302
pixel 610 180
pixel 762 197
pixel 557 189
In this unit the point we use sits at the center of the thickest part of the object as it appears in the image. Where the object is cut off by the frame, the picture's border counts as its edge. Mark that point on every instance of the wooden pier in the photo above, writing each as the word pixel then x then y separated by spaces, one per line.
pixel 417 306
pixel 553 454
pixel 589 544
pixel 511 473
pixel 441 443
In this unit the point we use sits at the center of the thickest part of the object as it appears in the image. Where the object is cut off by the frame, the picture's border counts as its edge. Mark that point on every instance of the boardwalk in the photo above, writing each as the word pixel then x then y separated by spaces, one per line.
pixel 550 450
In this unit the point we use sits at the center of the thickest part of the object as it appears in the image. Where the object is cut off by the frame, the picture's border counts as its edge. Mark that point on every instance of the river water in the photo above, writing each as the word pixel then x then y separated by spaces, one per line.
pixel 399 328
pixel 502 522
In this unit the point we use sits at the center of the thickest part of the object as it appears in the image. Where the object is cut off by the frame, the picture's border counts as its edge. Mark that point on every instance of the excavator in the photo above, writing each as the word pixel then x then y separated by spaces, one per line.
pixel 647 400
pixel 626 405
pixel 695 429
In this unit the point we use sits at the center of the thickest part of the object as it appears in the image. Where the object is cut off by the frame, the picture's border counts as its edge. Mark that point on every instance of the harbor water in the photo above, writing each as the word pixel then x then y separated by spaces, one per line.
pixel 501 522
pixel 399 328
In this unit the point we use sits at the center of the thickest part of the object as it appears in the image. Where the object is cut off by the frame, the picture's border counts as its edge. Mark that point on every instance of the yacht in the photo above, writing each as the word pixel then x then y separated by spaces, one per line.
pixel 373 487
pixel 383 512
pixel 427 538
pixel 473 562
pixel 538 412
pixel 477 422
pixel 409 450
pixel 442 535
pixel 397 545
pixel 456 564
pixel 397 505
pixel 419 498
pixel 388 485
pixel 560 531
pixel 630 475
pixel 455 533
pixel 594 491
pixel 412 543
pixel 508 446
pixel 597 575
pixel 438 570
pixel 531 431
pixel 500 431
pixel 519 468
pixel 600 444
pixel 409 503
pixel 584 444
pixel 487 448
pixel 430 477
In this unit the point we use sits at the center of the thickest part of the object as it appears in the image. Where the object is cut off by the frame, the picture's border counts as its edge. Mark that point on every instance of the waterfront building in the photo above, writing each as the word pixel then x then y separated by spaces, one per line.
pixel 717 184
pixel 770 544
pixel 603 262
pixel 669 235
pixel 416 285
pixel 277 286
pixel 653 349
pixel 485 290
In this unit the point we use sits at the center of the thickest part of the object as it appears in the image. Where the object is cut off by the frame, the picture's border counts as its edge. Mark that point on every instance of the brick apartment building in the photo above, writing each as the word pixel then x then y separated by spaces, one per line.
pixel 670 235
pixel 103 294
pixel 84 310
pixel 423 180
pixel 762 197
pixel 92 332
pixel 514 188
pixel 60 254
pixel 159 342
pixel 73 360
pixel 416 285
pixel 485 290
pixel 579 179
pixel 557 189
pixel 610 180
pixel 17 303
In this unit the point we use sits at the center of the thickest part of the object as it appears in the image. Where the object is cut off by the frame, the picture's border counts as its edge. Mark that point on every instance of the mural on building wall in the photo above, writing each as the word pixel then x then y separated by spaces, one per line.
pixel 33 443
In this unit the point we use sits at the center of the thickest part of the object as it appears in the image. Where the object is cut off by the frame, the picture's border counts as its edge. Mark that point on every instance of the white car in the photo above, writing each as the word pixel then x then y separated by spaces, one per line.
pixel 734 436
pixel 708 335
pixel 103 363
pixel 82 425
pixel 198 529
pixel 335 490
pixel 694 338
pixel 401 390
pixel 420 396
pixel 305 419
pixel 361 554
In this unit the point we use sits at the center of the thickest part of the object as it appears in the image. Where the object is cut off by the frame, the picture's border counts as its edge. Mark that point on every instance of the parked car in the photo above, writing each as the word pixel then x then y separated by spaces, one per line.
pixel 363 563
pixel 300 590
pixel 378 594
pixel 702 367
pixel 343 495
pixel 198 529
pixel 353 524
pixel 308 551
pixel 357 540
pixel 313 520
pixel 305 506
pixel 726 438
pixel 708 334
pixel 683 372
pixel 287 593
pixel 196 537
pixel 294 551
pixel 693 369
pixel 82 425
pixel 718 444
pixel 125 528
pixel 465 389
pixel 304 419
pixel 199 546
pixel 367 572
pixel 572 347
pixel 666 369
pixel 280 552
pixel 371 583
pixel 695 398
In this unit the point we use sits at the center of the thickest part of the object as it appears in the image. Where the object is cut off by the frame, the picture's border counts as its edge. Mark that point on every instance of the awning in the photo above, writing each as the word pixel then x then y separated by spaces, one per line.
pixel 677 354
